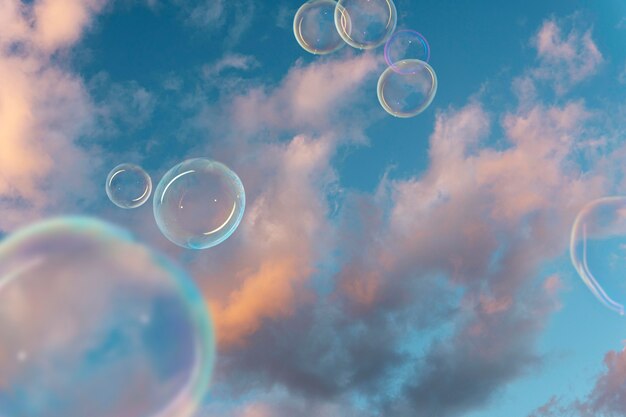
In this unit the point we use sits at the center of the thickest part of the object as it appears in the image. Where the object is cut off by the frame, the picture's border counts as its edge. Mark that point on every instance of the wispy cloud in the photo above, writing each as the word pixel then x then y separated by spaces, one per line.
pixel 622 75
pixel 606 398
pixel 566 59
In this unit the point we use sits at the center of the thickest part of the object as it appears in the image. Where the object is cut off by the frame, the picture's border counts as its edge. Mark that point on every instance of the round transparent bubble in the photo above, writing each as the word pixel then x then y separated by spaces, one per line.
pixel 365 24
pixel 314 27
pixel 199 203
pixel 406 44
pixel 128 186
pixel 598 249
pixel 410 92
pixel 94 324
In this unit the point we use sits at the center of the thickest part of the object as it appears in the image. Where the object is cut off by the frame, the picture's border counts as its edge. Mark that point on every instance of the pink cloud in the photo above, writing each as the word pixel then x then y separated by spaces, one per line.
pixel 277 251
pixel 566 59
pixel 59 23
pixel 308 96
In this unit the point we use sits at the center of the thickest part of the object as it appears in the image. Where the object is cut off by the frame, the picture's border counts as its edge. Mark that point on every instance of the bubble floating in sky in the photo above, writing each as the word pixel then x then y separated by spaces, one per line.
pixel 314 27
pixel 128 186
pixel 406 44
pixel 598 248
pixel 365 24
pixel 408 91
pixel 199 203
pixel 92 320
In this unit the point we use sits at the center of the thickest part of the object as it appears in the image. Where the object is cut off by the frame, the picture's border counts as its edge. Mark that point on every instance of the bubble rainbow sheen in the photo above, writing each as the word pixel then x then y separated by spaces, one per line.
pixel 199 203
pixel 600 221
pixel 365 24
pixel 94 323
pixel 314 27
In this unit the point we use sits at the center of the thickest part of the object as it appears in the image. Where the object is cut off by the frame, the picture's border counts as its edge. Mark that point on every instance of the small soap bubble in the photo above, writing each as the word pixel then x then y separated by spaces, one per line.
pixel 365 24
pixel 409 91
pixel 314 27
pixel 199 203
pixel 598 249
pixel 406 44
pixel 70 293
pixel 128 186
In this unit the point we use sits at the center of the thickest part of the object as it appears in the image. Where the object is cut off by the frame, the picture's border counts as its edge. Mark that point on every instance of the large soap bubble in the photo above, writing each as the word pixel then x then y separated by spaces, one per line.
pixel 598 249
pixel 199 203
pixel 409 90
pixel 365 24
pixel 94 324
pixel 128 186
pixel 314 27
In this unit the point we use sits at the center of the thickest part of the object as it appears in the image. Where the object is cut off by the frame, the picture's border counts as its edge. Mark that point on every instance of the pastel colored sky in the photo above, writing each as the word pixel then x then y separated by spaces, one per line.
pixel 384 267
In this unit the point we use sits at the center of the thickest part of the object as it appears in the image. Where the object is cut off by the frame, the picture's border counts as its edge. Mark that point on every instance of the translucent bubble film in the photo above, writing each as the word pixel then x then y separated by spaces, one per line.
pixel 92 322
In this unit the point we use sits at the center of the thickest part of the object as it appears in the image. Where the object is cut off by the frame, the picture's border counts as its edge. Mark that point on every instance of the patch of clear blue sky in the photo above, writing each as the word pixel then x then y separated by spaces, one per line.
pixel 474 44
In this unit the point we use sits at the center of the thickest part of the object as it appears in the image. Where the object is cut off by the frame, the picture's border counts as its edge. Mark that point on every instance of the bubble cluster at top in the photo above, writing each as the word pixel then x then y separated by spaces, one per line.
pixel 409 85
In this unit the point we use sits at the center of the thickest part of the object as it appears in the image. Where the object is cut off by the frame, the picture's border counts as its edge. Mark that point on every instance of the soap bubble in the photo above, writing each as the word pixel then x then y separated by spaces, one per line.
pixel 406 44
pixel 95 324
pixel 365 24
pixel 409 91
pixel 199 203
pixel 128 186
pixel 314 27
pixel 598 248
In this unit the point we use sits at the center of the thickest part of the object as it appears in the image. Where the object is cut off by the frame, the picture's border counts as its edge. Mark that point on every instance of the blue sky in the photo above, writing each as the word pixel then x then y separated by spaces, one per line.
pixel 397 267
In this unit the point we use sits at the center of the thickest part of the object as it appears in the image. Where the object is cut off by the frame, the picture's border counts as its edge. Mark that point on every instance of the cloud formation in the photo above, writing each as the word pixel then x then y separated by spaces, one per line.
pixel 566 59
pixel 44 108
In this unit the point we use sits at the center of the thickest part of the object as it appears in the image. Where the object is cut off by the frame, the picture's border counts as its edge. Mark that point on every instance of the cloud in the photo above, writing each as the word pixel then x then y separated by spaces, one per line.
pixel 285 232
pixel 403 299
pixel 230 61
pixel 59 23
pixel 119 108
pixel 233 17
pixel 44 109
pixel 566 59
pixel 271 264
pixel 606 398
pixel 460 245
pixel 209 14
pixel 309 96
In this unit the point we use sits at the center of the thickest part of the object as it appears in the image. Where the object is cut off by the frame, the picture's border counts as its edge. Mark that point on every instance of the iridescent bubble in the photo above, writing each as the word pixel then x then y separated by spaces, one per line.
pixel 598 248
pixel 365 24
pixel 199 203
pixel 128 186
pixel 409 91
pixel 95 324
pixel 406 44
pixel 314 27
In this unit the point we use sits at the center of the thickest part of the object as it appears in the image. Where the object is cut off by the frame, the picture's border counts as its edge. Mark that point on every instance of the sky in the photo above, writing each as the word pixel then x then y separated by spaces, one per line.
pixel 383 267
